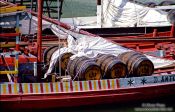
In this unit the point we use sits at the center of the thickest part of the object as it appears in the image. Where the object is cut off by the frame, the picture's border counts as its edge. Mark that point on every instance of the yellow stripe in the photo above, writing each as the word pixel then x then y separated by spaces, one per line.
pixel 56 87
pixel 112 84
pixel 25 88
pixel 7 45
pixel 85 85
pixel 103 84
pixel 17 30
pixel 66 86
pixel 76 85
pixel 95 85
pixel 36 87
pixel 4 89
pixel 12 9
pixel 16 64
pixel 15 88
pixel 8 72
pixel 46 87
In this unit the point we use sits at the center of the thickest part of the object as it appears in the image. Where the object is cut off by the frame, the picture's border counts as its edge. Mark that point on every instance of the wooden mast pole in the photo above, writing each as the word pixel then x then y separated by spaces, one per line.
pixel 99 13
pixel 39 37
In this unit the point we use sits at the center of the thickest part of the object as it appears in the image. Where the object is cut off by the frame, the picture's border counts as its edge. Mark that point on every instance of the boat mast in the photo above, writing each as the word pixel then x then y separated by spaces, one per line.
pixel 59 5
pixel 99 13
pixel 39 37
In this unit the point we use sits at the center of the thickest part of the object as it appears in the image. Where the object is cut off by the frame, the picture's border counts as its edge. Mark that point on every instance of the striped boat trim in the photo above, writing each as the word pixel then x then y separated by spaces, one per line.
pixel 9 89
pixel 80 86
pixel 58 87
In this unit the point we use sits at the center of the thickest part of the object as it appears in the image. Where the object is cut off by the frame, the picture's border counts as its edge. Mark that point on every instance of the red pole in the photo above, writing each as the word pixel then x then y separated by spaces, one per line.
pixel 39 33
pixel 172 34
pixel 39 37
pixel 155 33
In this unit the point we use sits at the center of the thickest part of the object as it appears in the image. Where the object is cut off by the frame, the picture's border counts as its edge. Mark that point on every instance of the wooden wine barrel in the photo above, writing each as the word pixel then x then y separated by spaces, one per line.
pixel 63 57
pixel 137 64
pixel 72 63
pixel 111 66
pixel 48 54
pixel 103 57
pixel 64 62
pixel 83 68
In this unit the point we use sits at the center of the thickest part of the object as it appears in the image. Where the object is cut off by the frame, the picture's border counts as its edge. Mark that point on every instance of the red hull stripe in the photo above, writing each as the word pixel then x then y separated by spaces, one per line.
pixel 81 86
pixel 108 83
pixel 99 84
pixel 61 87
pixel 51 87
pixel 31 88
pixel 9 89
pixel 71 86
pixel 41 87
pixel 90 85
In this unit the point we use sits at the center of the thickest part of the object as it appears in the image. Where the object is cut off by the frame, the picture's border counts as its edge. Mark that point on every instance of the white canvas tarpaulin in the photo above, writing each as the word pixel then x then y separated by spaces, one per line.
pixel 123 13
pixel 83 45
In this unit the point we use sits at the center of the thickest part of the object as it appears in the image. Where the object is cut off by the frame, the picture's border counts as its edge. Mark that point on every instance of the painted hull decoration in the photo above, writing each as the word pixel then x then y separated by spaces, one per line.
pixel 82 86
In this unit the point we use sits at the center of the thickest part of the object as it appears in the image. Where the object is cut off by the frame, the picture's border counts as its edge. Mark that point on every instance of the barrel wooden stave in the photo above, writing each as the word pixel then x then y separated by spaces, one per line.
pixel 102 59
pixel 109 65
pixel 143 67
pixel 72 64
pixel 83 68
pixel 48 54
pixel 116 69
pixel 64 62
pixel 137 63
pixel 89 70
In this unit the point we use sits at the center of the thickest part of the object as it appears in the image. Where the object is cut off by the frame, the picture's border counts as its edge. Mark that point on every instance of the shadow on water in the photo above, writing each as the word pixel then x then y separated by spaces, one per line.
pixel 163 102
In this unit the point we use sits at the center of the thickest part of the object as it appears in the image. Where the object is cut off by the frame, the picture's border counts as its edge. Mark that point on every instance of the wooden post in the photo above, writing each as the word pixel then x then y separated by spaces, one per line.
pixel 172 34
pixel 39 37
pixel 99 13
pixel 155 33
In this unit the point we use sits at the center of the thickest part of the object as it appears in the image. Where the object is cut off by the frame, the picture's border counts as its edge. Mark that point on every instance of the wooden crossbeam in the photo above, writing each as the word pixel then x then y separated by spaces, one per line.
pixel 12 9
pixel 8 72
pixel 9 34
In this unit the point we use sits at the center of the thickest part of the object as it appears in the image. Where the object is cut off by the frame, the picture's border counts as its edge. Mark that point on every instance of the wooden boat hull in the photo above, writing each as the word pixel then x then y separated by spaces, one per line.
pixel 77 93
pixel 87 98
